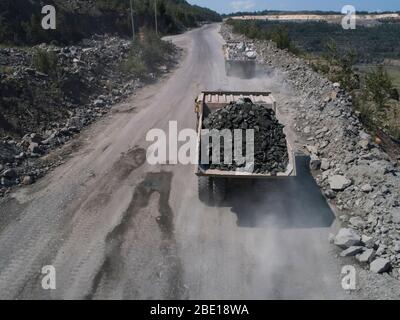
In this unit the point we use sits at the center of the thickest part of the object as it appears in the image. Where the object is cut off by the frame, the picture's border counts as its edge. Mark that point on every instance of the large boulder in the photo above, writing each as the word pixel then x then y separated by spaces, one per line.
pixel 347 238
pixel 27 180
pixel 368 241
pixel 352 251
pixel 34 148
pixel 339 182
pixel 367 256
pixel 380 265
pixel 10 174
pixel 36 138
pixel 366 188
pixel 325 165
pixel 315 162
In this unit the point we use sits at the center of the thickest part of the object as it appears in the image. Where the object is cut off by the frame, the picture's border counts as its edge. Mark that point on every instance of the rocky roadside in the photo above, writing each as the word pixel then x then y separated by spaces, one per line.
pixel 360 180
pixel 37 117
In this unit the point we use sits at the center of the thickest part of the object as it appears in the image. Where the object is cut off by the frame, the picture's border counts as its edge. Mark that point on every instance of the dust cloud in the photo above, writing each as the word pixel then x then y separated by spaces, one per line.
pixel 269 240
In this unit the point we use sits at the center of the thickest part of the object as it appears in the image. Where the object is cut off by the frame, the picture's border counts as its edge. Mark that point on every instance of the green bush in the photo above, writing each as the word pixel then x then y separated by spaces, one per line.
pixel 134 64
pixel 368 111
pixel 155 51
pixel 281 38
pixel 341 65
pixel 393 121
pixel 6 70
pixel 45 61
pixel 147 55
pixel 379 86
pixel 375 102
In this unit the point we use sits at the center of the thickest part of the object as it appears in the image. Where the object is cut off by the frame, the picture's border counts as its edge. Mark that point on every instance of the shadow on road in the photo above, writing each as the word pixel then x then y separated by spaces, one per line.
pixel 293 202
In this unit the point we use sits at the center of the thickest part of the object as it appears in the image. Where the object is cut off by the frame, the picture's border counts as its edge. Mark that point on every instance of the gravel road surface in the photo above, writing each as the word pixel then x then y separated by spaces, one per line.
pixel 115 227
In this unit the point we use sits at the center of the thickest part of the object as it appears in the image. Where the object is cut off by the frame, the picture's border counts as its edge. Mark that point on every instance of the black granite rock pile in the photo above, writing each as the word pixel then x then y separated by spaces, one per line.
pixel 270 148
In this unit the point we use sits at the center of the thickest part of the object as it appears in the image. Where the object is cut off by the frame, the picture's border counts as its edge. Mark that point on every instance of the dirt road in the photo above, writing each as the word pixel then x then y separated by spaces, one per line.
pixel 115 227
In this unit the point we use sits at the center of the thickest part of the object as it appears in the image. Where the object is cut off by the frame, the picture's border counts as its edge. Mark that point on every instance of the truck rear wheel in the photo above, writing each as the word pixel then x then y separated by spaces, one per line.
pixel 219 188
pixel 205 189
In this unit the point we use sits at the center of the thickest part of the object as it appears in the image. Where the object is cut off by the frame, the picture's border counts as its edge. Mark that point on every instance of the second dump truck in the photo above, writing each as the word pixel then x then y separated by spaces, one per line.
pixel 240 59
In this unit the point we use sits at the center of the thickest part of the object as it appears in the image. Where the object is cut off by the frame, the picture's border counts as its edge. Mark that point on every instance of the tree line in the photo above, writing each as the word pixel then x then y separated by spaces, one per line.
pixel 20 20
pixel 301 12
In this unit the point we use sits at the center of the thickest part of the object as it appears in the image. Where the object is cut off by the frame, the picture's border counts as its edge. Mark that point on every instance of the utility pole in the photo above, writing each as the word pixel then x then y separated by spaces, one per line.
pixel 155 16
pixel 133 22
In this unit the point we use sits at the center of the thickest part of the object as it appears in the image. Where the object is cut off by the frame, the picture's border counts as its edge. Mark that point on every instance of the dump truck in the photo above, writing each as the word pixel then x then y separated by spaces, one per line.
pixel 240 60
pixel 212 182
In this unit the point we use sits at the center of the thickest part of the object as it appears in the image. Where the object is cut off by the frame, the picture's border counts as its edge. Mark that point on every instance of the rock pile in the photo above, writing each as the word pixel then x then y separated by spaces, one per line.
pixel 355 174
pixel 270 148
pixel 39 113
pixel 34 101
pixel 362 248
pixel 240 51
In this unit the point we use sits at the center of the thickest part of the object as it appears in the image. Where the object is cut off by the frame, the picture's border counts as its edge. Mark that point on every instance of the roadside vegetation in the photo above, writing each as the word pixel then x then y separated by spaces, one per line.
pixel 254 30
pixel 378 102
pixel 20 20
pixel 147 54
pixel 374 92
pixel 337 53
pixel 45 62
pixel 372 44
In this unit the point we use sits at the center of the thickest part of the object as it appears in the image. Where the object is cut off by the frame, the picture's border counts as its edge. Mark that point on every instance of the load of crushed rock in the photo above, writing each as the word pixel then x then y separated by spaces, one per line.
pixel 270 147
pixel 242 51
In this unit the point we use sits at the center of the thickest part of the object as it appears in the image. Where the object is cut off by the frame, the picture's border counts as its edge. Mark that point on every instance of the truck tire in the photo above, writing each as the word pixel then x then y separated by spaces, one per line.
pixel 205 189
pixel 219 190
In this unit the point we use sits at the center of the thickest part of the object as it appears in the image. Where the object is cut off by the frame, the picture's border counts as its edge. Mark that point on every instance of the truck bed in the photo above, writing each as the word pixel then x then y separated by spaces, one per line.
pixel 210 101
pixel 238 65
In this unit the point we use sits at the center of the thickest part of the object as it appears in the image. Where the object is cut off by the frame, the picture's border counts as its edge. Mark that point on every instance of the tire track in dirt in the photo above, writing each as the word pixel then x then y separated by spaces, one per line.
pixel 128 162
pixel 113 266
